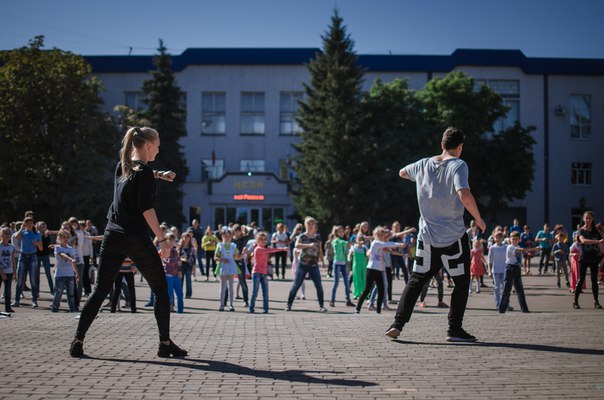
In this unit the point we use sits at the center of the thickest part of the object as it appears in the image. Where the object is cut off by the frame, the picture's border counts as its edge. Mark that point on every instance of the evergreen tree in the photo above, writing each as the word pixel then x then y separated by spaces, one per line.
pixel 330 164
pixel 57 146
pixel 166 114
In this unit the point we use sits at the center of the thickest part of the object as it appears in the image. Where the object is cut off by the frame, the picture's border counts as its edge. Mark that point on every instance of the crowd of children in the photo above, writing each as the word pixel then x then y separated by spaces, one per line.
pixel 362 263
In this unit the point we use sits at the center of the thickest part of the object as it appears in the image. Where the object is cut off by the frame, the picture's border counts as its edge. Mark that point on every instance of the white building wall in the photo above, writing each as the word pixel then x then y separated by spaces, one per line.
pixel 273 79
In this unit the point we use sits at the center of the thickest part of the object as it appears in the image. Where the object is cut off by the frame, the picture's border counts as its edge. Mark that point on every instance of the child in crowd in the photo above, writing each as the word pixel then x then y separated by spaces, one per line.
pixel 497 265
pixel 375 267
pixel 127 271
pixel 477 265
pixel 186 252
pixel 8 261
pixel 358 259
pixel 173 269
pixel 295 262
pixel 225 256
pixel 340 265
pixel 560 252
pixel 440 291
pixel 513 275
pixel 260 270
pixel 329 253
pixel 575 254
pixel 66 269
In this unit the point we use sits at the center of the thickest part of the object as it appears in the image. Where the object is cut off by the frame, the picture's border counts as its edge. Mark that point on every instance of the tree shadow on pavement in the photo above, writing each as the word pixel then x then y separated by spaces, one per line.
pixel 519 346
pixel 293 375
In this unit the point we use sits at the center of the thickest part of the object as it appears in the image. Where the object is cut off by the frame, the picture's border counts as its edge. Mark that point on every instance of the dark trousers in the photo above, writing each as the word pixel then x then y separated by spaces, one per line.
pixel 428 262
pixel 86 276
pixel 210 261
pixel 114 250
pixel 8 283
pixel 280 259
pixel 593 272
pixel 187 272
pixel 389 279
pixel 513 277
pixel 373 276
pixel 117 290
pixel 544 259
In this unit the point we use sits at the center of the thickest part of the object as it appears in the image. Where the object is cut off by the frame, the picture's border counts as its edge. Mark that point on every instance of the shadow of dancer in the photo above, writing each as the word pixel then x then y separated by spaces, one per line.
pixel 226 367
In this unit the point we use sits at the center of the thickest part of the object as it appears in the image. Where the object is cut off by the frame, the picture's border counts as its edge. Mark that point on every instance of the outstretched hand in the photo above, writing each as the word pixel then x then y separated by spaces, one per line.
pixel 167 175
pixel 164 249
pixel 481 225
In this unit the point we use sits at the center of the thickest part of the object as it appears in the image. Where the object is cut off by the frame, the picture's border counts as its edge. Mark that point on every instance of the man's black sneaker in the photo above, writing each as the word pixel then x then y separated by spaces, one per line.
pixel 460 336
pixel 76 349
pixel 394 331
pixel 165 350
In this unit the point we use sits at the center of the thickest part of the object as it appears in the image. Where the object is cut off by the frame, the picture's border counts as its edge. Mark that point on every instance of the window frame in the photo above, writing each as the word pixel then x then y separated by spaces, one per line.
pixel 254 113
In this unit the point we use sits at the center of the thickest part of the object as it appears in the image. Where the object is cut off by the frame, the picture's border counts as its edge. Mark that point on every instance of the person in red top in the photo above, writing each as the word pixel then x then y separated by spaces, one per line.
pixel 260 270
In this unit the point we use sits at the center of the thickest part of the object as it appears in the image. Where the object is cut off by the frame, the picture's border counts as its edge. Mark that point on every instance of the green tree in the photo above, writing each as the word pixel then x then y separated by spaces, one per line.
pixel 394 135
pixel 57 146
pixel 330 166
pixel 167 115
pixel 501 163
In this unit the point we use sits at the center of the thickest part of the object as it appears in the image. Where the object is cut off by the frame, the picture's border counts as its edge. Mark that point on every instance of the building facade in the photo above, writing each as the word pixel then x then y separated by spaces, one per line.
pixel 241 107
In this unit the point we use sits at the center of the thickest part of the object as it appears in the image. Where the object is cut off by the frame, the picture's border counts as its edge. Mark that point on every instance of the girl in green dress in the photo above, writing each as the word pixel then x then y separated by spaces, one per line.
pixel 358 257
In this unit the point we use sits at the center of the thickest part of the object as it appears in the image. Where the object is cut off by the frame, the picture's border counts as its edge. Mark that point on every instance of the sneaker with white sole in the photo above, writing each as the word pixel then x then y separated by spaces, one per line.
pixel 460 336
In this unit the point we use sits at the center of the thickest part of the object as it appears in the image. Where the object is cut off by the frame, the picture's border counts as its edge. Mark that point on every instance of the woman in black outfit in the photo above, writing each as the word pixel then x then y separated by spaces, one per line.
pixel 126 235
pixel 590 239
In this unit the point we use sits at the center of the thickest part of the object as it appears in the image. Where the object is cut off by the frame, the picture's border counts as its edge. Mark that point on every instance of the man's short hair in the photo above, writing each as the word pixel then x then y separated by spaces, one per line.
pixel 452 138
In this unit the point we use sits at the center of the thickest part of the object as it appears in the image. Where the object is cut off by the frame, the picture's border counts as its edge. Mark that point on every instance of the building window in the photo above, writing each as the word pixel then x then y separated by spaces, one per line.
pixel 289 104
pixel 134 100
pixel 580 116
pixel 252 113
pixel 580 173
pixel 251 165
pixel 212 169
pixel 213 114
pixel 509 91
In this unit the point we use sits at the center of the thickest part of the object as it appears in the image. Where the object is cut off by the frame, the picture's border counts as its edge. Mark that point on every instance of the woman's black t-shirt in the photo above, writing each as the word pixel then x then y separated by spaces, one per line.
pixel 130 199
pixel 590 252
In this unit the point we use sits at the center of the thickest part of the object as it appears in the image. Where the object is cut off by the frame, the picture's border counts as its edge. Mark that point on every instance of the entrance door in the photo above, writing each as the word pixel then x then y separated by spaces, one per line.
pixel 245 215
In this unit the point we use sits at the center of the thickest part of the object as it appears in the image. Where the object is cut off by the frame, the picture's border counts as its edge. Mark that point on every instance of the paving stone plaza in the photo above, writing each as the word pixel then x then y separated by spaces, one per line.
pixel 554 352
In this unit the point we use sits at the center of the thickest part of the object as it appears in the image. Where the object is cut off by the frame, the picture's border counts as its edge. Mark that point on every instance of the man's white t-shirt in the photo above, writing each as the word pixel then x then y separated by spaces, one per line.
pixel 441 222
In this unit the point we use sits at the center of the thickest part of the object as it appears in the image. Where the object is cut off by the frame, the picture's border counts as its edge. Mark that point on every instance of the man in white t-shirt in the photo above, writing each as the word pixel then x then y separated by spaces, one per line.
pixel 443 192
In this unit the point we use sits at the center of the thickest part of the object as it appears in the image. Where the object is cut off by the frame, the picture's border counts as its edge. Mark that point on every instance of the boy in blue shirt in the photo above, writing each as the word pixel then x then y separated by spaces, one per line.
pixel 544 238
pixel 31 242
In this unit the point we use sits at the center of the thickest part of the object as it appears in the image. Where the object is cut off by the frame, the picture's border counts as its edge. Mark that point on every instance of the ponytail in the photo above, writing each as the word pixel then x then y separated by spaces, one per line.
pixel 135 137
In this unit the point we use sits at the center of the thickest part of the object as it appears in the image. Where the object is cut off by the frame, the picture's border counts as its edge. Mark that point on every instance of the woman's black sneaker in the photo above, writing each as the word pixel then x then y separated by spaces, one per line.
pixel 460 336
pixel 76 349
pixel 165 350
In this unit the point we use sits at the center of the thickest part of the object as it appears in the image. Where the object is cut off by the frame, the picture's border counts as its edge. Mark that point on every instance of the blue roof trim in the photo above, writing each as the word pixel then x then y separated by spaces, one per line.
pixel 373 63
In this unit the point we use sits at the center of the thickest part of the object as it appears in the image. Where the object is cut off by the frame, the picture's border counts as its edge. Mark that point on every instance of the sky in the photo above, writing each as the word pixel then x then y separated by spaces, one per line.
pixel 539 28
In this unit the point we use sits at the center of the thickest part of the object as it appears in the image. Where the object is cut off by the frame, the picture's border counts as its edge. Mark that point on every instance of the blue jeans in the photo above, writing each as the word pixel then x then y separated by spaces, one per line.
pixel 67 283
pixel 340 269
pixel 315 275
pixel 28 264
pixel 187 270
pixel 259 279
pixel 498 281
pixel 175 285
pixel 45 261
pixel 199 256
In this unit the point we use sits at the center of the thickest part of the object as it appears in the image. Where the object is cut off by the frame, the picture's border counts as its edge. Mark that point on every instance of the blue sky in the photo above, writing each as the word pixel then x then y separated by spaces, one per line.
pixel 539 28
